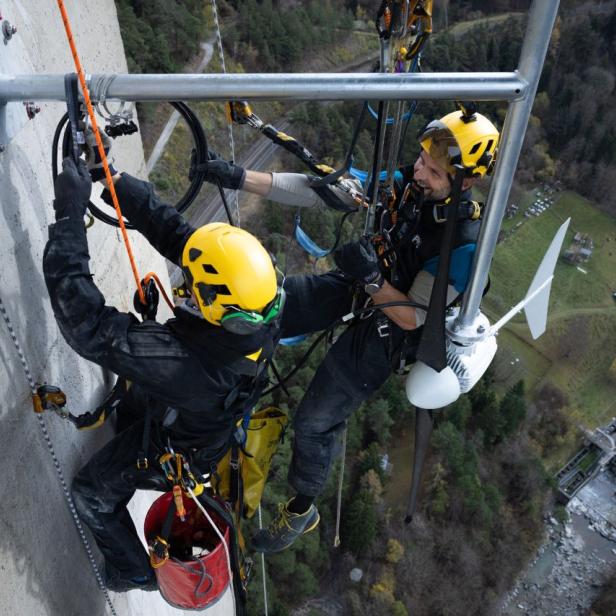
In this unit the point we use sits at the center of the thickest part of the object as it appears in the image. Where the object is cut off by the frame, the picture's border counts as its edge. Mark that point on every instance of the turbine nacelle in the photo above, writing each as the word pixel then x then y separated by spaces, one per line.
pixel 471 349
pixel 466 364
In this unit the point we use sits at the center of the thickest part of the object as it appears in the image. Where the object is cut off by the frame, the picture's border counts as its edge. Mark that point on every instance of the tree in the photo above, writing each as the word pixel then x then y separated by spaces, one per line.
pixel 486 416
pixel 378 419
pixel 439 497
pixel 395 551
pixel 370 459
pixel 304 582
pixel 359 523
pixel 513 408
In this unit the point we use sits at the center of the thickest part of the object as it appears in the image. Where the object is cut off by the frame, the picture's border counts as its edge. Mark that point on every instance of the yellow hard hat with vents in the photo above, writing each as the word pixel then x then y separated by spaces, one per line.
pixel 462 138
pixel 228 269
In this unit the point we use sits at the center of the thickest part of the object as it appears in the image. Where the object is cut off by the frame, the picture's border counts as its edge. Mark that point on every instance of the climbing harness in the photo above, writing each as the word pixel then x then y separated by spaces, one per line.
pixel 49 396
pixel 344 320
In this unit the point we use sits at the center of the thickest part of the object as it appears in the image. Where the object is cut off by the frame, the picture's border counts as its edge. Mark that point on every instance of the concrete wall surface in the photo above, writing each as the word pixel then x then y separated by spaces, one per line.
pixel 44 569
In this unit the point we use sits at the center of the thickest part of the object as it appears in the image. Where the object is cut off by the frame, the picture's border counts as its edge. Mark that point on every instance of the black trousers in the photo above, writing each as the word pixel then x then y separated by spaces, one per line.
pixel 102 490
pixel 356 365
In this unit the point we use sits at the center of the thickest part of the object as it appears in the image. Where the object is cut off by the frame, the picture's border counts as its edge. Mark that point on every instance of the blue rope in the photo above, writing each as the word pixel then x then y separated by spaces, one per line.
pixel 302 238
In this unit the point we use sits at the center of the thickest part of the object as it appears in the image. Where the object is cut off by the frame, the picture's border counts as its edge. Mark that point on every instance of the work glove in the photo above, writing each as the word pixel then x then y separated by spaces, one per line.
pixel 94 161
pixel 72 189
pixel 229 175
pixel 359 261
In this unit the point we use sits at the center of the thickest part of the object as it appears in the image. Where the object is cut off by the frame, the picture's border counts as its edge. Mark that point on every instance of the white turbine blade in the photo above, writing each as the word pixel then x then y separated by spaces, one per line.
pixel 538 294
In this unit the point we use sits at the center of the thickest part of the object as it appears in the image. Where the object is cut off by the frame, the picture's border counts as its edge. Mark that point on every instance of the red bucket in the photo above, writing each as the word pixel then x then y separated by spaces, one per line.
pixel 189 581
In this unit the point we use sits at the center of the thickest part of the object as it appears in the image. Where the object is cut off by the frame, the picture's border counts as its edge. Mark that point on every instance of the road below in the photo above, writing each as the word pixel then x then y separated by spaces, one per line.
pixel 165 135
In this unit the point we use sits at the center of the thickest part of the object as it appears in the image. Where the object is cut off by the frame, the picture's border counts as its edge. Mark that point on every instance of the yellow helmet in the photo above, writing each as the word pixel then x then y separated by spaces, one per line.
pixel 228 269
pixel 462 138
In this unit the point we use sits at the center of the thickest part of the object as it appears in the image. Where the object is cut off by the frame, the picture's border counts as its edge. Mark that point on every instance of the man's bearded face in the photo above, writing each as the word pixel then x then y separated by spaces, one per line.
pixel 431 177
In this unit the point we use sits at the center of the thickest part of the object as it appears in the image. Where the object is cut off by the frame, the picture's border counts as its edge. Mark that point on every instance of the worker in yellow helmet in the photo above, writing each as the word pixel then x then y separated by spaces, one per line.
pixel 396 264
pixel 196 374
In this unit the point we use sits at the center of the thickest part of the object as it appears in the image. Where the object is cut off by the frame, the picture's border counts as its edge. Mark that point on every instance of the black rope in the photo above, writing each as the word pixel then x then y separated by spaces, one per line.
pixel 195 175
pixel 225 203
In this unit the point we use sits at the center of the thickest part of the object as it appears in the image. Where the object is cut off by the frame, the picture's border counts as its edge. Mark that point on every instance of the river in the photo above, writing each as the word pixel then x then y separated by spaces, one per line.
pixel 574 561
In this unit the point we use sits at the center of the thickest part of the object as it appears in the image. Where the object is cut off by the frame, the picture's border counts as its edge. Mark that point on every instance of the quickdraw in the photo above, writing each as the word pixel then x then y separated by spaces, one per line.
pixel 241 113
pixel 177 471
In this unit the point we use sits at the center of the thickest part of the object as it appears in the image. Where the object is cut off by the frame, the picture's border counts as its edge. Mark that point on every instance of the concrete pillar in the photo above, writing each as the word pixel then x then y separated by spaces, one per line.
pixel 44 566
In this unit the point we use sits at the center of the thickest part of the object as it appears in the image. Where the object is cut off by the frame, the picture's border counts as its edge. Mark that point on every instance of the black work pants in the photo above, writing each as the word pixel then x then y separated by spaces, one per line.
pixel 102 490
pixel 356 365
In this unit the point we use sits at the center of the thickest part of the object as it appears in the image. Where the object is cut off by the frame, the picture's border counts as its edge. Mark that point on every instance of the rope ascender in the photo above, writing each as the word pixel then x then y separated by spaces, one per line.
pixel 77 139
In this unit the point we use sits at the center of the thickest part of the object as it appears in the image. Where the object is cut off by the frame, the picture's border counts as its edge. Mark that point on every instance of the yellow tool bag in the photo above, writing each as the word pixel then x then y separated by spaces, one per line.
pixel 241 475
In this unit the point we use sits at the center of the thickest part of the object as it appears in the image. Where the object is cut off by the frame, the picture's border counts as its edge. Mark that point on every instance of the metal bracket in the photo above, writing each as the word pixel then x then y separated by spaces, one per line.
pixel 7 31
pixel 32 109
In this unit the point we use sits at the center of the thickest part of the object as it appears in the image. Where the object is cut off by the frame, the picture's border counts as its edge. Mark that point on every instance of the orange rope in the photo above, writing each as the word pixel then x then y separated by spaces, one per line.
pixel 101 148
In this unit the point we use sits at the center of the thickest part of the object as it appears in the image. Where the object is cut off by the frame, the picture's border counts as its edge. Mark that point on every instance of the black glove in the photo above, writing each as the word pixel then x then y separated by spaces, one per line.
pixel 230 175
pixel 360 261
pixel 94 162
pixel 72 189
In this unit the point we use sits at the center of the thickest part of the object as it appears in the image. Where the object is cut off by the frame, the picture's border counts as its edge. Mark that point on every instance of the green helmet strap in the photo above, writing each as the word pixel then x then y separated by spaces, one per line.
pixel 245 322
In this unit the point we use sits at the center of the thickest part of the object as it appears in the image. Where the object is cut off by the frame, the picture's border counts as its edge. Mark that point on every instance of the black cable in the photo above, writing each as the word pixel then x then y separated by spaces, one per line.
pixel 376 173
pixel 282 381
pixel 278 377
pixel 198 159
pixel 221 190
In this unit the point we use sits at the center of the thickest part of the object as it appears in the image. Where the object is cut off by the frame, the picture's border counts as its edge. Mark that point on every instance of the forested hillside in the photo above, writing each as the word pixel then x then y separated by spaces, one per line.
pixel 572 134
pixel 160 36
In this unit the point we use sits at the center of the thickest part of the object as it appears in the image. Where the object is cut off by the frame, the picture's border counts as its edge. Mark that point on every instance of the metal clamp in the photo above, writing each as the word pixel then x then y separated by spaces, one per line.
pixel 32 109
pixel 7 31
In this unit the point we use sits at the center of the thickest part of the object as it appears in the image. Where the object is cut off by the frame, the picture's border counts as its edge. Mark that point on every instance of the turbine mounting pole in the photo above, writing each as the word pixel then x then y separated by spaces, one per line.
pixel 534 48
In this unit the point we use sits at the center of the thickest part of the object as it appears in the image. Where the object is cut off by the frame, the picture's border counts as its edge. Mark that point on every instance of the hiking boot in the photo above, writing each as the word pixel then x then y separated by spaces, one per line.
pixel 285 528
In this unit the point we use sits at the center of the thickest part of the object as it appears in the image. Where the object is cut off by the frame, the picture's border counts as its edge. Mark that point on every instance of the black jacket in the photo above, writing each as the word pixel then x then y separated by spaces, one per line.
pixel 186 363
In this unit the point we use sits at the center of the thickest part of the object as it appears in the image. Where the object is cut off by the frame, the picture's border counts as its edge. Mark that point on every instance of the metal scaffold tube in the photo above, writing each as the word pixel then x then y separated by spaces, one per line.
pixel 534 49
pixel 278 86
